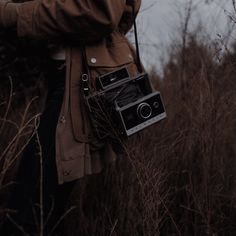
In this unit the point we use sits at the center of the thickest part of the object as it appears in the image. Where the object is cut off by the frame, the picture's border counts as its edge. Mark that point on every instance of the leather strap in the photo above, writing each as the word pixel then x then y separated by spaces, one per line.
pixel 139 65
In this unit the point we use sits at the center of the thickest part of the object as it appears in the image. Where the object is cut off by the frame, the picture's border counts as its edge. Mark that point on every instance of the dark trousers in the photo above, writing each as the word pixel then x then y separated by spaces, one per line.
pixel 30 183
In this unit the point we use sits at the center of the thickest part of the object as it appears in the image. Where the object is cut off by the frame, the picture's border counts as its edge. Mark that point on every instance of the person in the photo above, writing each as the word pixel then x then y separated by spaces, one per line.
pixel 84 37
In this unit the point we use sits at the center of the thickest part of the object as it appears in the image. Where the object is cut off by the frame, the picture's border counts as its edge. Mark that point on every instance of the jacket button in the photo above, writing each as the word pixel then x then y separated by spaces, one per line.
pixel 63 119
pixel 66 172
pixel 93 60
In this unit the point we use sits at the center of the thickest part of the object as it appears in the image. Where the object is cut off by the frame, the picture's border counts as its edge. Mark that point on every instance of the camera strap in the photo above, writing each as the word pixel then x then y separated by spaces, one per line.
pixel 139 65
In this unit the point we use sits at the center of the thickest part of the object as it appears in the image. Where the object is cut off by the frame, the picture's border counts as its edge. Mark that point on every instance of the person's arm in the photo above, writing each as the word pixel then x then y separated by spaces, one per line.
pixel 8 14
pixel 126 21
pixel 85 20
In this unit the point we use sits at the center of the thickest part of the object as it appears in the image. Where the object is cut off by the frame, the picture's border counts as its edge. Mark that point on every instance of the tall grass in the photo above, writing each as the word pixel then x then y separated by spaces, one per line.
pixel 18 121
pixel 178 177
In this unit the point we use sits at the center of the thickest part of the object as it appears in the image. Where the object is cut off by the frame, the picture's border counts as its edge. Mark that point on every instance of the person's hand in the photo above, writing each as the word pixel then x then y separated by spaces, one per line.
pixel 8 14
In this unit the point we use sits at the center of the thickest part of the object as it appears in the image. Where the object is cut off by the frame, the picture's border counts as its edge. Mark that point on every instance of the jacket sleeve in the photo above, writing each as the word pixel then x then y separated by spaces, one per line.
pixel 126 21
pixel 86 20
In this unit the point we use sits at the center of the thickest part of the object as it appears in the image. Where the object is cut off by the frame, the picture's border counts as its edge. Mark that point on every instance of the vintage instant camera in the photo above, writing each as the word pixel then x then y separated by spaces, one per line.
pixel 124 105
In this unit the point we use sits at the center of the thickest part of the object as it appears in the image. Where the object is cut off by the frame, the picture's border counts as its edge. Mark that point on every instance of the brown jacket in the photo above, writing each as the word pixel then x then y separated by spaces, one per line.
pixel 94 31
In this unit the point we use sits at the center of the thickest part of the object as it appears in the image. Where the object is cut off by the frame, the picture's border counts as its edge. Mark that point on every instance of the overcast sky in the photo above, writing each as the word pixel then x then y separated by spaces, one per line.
pixel 160 20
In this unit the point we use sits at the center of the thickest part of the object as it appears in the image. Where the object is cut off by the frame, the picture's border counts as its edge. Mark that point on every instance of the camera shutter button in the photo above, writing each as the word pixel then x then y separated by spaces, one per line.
pixel 156 105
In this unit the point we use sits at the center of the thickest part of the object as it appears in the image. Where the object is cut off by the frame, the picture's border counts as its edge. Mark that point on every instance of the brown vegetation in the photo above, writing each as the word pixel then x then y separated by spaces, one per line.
pixel 178 177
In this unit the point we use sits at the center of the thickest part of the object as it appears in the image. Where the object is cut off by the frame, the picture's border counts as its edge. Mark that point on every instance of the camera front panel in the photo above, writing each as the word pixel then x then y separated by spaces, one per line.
pixel 142 113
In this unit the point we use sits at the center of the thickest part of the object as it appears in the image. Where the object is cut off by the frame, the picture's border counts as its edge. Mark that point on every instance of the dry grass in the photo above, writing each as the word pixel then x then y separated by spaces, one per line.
pixel 178 177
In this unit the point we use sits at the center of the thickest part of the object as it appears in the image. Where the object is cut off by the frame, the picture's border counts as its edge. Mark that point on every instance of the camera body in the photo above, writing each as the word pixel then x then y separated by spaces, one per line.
pixel 123 104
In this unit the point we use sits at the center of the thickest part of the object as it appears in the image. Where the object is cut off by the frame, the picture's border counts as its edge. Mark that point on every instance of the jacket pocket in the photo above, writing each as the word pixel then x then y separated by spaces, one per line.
pixel 105 58
pixel 100 59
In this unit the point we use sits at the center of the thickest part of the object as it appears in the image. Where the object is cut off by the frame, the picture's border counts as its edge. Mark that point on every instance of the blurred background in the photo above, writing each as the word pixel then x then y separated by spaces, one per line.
pixel 161 23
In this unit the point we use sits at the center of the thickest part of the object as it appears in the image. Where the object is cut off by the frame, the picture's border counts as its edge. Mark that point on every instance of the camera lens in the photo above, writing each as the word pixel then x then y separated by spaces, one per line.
pixel 144 110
